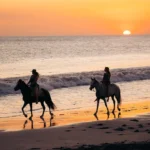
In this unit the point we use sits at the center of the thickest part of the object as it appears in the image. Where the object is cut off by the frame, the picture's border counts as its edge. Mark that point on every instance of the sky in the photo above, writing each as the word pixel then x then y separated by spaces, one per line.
pixel 73 17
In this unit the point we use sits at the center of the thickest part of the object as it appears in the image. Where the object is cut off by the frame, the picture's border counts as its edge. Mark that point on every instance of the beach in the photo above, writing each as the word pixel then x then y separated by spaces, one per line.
pixel 66 66
pixel 75 74
pixel 72 129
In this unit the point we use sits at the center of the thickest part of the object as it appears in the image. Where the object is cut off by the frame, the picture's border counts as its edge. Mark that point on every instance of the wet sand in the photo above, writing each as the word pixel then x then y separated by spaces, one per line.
pixel 73 116
pixel 76 128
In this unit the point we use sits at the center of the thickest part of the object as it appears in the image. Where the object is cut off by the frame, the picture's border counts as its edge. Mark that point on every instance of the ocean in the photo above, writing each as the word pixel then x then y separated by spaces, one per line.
pixel 66 65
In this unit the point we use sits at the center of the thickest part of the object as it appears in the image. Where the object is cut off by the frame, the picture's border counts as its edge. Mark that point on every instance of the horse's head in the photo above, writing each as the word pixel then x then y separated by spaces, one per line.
pixel 93 83
pixel 18 86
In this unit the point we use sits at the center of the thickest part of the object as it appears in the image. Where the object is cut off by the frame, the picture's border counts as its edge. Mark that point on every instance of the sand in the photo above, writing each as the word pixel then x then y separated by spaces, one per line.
pixel 76 128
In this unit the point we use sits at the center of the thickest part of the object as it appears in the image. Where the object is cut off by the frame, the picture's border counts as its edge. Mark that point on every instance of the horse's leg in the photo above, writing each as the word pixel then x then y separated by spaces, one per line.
pixel 97 107
pixel 52 115
pixel 43 106
pixel 51 121
pixel 113 103
pixel 31 111
pixel 118 103
pixel 24 105
pixel 24 125
pixel 44 122
pixel 106 105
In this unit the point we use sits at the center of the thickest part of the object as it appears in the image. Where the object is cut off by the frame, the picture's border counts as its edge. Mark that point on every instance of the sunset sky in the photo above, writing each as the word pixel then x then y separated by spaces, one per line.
pixel 73 17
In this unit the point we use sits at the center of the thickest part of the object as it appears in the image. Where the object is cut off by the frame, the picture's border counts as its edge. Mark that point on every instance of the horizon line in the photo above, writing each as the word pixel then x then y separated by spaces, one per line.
pixel 75 35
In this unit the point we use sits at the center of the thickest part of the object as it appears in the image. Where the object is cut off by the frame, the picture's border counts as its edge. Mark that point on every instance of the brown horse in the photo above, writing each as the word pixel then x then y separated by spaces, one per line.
pixel 44 96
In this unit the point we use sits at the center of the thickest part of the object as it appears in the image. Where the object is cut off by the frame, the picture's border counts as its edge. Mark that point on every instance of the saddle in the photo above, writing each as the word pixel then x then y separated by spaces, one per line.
pixel 33 90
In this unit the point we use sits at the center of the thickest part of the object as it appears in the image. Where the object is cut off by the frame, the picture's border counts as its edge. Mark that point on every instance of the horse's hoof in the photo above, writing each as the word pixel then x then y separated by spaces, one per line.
pixel 30 118
pixel 52 114
pixel 95 114
pixel 119 114
pixel 113 111
pixel 52 117
pixel 41 117
pixel 26 116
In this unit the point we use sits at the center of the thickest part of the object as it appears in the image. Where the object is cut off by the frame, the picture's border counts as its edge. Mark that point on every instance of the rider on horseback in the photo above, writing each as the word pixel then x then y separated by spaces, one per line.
pixel 33 83
pixel 106 80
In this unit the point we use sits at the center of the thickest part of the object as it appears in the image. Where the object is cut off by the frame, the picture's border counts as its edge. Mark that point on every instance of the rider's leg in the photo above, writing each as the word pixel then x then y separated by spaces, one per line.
pixel 107 94
pixel 36 94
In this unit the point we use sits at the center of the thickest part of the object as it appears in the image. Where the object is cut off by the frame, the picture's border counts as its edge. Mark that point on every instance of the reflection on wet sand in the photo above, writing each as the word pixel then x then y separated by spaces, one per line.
pixel 108 116
pixel 72 117
pixel 44 123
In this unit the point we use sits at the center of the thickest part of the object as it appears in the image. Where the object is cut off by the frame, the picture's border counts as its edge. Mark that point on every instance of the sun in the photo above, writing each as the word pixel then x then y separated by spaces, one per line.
pixel 126 32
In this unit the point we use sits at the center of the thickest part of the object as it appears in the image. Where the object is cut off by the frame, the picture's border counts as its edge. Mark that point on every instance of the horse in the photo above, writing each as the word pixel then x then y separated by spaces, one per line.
pixel 44 96
pixel 114 91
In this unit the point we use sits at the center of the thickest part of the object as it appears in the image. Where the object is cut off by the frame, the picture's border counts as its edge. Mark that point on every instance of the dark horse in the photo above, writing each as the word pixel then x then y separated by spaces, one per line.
pixel 114 91
pixel 44 96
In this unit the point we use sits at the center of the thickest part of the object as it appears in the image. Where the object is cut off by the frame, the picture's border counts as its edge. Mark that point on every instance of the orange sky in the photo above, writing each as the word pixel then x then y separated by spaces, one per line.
pixel 73 17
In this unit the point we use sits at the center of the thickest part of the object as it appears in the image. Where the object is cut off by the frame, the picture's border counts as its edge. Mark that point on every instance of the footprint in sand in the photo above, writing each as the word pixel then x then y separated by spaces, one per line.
pixel 61 114
pixel 131 128
pixel 136 131
pixel 135 120
pixel 148 131
pixel 145 108
pixel 67 130
pixel 72 127
pixel 100 124
pixel 104 128
pixel 119 129
pixel 124 125
pixel 108 132
pixel 140 125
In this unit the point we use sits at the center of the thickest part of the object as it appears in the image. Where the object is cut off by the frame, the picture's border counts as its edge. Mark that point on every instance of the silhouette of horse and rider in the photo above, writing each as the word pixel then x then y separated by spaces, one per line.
pixel 32 93
pixel 105 89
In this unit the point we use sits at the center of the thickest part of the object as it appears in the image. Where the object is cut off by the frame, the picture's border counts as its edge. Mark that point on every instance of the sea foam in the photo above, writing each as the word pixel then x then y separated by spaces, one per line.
pixel 76 79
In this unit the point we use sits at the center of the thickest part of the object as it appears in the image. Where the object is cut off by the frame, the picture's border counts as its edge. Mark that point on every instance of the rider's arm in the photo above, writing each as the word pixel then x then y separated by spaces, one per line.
pixel 29 80
pixel 104 77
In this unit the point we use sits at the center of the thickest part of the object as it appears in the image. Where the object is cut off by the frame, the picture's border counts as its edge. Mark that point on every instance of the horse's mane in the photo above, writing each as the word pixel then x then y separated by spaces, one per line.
pixel 24 84
pixel 98 82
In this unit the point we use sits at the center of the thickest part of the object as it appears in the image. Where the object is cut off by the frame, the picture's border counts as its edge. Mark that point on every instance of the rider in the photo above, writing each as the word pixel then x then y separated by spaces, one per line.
pixel 106 80
pixel 33 83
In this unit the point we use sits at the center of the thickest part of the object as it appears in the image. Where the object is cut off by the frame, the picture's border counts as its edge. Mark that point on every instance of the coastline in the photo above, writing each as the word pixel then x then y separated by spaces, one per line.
pixel 72 129
pixel 72 136
pixel 74 116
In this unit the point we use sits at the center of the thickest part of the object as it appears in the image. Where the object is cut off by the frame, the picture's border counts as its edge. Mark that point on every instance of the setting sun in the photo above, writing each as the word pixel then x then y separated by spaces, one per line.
pixel 126 32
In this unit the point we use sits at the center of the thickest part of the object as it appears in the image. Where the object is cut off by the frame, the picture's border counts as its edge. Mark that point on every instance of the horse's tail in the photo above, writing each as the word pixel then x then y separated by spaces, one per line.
pixel 118 95
pixel 48 99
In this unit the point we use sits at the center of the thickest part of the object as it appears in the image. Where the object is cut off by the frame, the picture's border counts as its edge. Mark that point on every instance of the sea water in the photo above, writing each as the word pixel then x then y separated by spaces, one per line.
pixel 66 65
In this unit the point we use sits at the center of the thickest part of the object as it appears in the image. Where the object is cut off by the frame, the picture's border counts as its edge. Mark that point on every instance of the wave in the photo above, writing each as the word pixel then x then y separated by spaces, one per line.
pixel 77 79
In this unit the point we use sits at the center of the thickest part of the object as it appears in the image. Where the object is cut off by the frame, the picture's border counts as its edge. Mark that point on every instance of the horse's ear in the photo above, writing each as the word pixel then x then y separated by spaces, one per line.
pixel 20 80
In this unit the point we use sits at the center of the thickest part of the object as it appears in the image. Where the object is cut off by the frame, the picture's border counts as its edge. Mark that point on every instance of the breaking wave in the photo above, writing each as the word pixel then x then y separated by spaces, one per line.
pixel 77 79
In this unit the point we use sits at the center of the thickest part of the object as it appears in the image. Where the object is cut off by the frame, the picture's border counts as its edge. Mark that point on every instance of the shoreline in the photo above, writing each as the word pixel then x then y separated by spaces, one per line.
pixel 75 116
pixel 95 133
pixel 77 128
